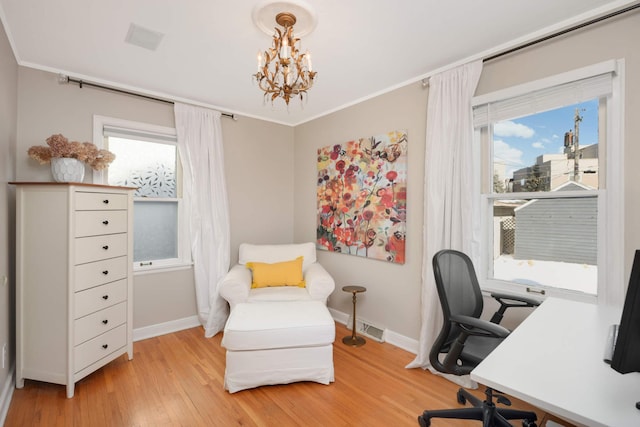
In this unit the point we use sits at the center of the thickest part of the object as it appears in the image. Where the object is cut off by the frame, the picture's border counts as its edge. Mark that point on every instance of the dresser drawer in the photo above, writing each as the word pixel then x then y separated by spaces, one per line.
pixel 97 323
pixel 99 347
pixel 93 223
pixel 100 201
pixel 99 298
pixel 99 272
pixel 96 248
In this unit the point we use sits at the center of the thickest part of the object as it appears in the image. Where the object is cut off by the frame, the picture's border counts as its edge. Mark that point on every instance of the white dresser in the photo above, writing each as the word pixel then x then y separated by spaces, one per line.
pixel 74 250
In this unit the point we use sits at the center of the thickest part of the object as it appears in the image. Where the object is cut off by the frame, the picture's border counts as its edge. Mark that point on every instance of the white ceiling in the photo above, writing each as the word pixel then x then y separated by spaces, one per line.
pixel 360 48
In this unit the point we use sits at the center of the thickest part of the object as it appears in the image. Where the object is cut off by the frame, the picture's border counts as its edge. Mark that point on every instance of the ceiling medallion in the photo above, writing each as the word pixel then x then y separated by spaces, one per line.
pixel 284 72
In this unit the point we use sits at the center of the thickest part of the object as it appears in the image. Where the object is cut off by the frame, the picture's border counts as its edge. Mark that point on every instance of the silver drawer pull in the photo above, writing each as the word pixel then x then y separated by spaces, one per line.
pixel 105 321
pixel 105 201
pixel 105 222
pixel 105 346
pixel 105 247
pixel 105 297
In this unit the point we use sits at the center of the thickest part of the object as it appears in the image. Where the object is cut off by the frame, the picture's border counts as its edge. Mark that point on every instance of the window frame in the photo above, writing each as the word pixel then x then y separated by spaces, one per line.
pixel 610 228
pixel 165 135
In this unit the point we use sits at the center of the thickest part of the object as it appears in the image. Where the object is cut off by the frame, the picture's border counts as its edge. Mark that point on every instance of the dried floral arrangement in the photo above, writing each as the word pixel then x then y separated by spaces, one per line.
pixel 59 146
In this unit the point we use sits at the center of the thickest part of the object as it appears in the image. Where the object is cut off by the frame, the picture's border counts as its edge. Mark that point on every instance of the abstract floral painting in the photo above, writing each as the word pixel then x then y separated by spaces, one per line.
pixel 362 197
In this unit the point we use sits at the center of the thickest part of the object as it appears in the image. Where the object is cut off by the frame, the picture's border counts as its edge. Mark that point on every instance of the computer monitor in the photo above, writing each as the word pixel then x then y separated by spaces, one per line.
pixel 626 354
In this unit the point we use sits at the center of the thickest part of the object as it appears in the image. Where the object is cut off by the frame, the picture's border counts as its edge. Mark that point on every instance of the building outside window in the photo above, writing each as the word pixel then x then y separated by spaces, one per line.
pixel 550 188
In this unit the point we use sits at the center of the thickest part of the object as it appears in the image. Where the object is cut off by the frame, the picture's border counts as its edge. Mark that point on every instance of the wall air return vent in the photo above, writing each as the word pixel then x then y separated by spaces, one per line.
pixel 364 327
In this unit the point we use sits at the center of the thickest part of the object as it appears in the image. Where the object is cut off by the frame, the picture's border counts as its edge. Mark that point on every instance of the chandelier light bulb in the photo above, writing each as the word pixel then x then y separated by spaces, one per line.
pixel 307 55
pixel 260 61
pixel 284 50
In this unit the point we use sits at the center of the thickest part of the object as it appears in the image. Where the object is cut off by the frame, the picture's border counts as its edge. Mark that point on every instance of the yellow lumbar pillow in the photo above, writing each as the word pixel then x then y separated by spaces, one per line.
pixel 288 273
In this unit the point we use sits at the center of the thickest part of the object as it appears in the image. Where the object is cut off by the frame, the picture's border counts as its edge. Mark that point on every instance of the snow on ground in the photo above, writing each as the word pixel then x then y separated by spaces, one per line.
pixel 578 277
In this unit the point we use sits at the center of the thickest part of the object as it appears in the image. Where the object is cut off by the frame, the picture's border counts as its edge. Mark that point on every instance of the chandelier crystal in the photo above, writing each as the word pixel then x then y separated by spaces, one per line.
pixel 282 70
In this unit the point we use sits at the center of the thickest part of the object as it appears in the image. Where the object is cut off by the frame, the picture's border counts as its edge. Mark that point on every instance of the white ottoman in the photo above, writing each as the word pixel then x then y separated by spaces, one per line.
pixel 278 343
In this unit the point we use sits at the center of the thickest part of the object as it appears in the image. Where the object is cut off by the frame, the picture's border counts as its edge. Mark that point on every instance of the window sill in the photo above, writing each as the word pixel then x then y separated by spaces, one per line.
pixel 139 271
pixel 518 289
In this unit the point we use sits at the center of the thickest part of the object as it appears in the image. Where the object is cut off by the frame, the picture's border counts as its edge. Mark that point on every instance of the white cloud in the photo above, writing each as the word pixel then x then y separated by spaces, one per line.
pixel 504 153
pixel 509 128
pixel 537 144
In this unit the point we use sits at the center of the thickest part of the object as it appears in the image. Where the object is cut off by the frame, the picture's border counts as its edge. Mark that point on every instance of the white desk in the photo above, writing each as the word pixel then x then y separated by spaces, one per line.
pixel 553 360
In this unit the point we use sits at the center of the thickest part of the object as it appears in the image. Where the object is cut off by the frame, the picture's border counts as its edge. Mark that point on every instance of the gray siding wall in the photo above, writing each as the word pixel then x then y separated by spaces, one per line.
pixel 558 230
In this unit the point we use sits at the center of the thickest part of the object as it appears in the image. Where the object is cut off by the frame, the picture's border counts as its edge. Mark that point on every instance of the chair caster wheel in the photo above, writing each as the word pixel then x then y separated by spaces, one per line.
pixel 423 422
pixel 461 399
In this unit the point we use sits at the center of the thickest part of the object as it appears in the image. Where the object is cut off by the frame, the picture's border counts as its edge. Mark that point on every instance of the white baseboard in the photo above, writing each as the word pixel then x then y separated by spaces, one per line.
pixel 165 328
pixel 6 395
pixel 393 338
pixel 138 334
pixel 405 343
pixel 338 316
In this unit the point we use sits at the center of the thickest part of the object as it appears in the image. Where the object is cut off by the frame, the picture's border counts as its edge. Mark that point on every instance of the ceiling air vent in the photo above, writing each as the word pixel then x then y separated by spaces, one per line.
pixel 143 37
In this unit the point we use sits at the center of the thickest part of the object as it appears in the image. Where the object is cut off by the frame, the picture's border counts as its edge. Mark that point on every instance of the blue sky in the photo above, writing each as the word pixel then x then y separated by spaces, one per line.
pixel 518 142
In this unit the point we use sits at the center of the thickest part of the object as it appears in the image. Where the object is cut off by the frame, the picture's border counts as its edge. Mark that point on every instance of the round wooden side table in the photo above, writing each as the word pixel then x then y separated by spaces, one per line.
pixel 354 340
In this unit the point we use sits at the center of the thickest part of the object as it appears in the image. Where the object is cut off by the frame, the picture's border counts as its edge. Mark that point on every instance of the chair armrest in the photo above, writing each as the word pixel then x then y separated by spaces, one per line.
pixel 469 326
pixel 319 282
pixel 474 326
pixel 235 286
pixel 508 301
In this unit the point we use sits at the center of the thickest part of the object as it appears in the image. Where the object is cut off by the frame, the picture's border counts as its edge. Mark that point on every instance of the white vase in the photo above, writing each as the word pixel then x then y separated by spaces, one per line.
pixel 66 169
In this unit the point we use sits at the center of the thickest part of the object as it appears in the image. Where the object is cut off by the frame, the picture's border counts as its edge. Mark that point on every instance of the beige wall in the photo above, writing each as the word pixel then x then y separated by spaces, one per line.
pixel 46 107
pixel 271 169
pixel 258 167
pixel 8 102
pixel 615 39
pixel 393 295
pixel 392 299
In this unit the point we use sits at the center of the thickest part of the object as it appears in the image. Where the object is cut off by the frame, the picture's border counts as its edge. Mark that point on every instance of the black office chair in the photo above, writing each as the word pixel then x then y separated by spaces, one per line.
pixel 465 339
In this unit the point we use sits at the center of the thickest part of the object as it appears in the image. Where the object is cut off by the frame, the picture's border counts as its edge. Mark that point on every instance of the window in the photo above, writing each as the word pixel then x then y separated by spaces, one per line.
pixel 552 186
pixel 147 158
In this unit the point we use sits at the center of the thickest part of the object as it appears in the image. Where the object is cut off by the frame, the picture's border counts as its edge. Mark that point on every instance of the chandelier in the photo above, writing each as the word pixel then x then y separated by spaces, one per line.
pixel 282 70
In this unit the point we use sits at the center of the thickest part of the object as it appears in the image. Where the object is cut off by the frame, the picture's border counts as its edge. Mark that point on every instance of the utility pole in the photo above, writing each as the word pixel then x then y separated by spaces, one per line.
pixel 572 145
pixel 576 146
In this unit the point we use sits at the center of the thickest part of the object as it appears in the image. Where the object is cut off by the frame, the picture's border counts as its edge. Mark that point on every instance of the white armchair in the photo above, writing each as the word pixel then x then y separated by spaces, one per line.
pixel 236 286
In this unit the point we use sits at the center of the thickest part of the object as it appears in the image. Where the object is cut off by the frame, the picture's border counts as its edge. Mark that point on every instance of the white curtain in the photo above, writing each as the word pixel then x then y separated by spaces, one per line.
pixel 207 208
pixel 451 206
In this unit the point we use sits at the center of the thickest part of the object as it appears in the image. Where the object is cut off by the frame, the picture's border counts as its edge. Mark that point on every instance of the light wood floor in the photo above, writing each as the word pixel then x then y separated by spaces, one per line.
pixel 177 380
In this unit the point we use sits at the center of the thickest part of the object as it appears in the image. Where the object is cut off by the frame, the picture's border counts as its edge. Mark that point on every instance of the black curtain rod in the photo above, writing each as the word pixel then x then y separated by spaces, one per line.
pixel 565 31
pixel 81 83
